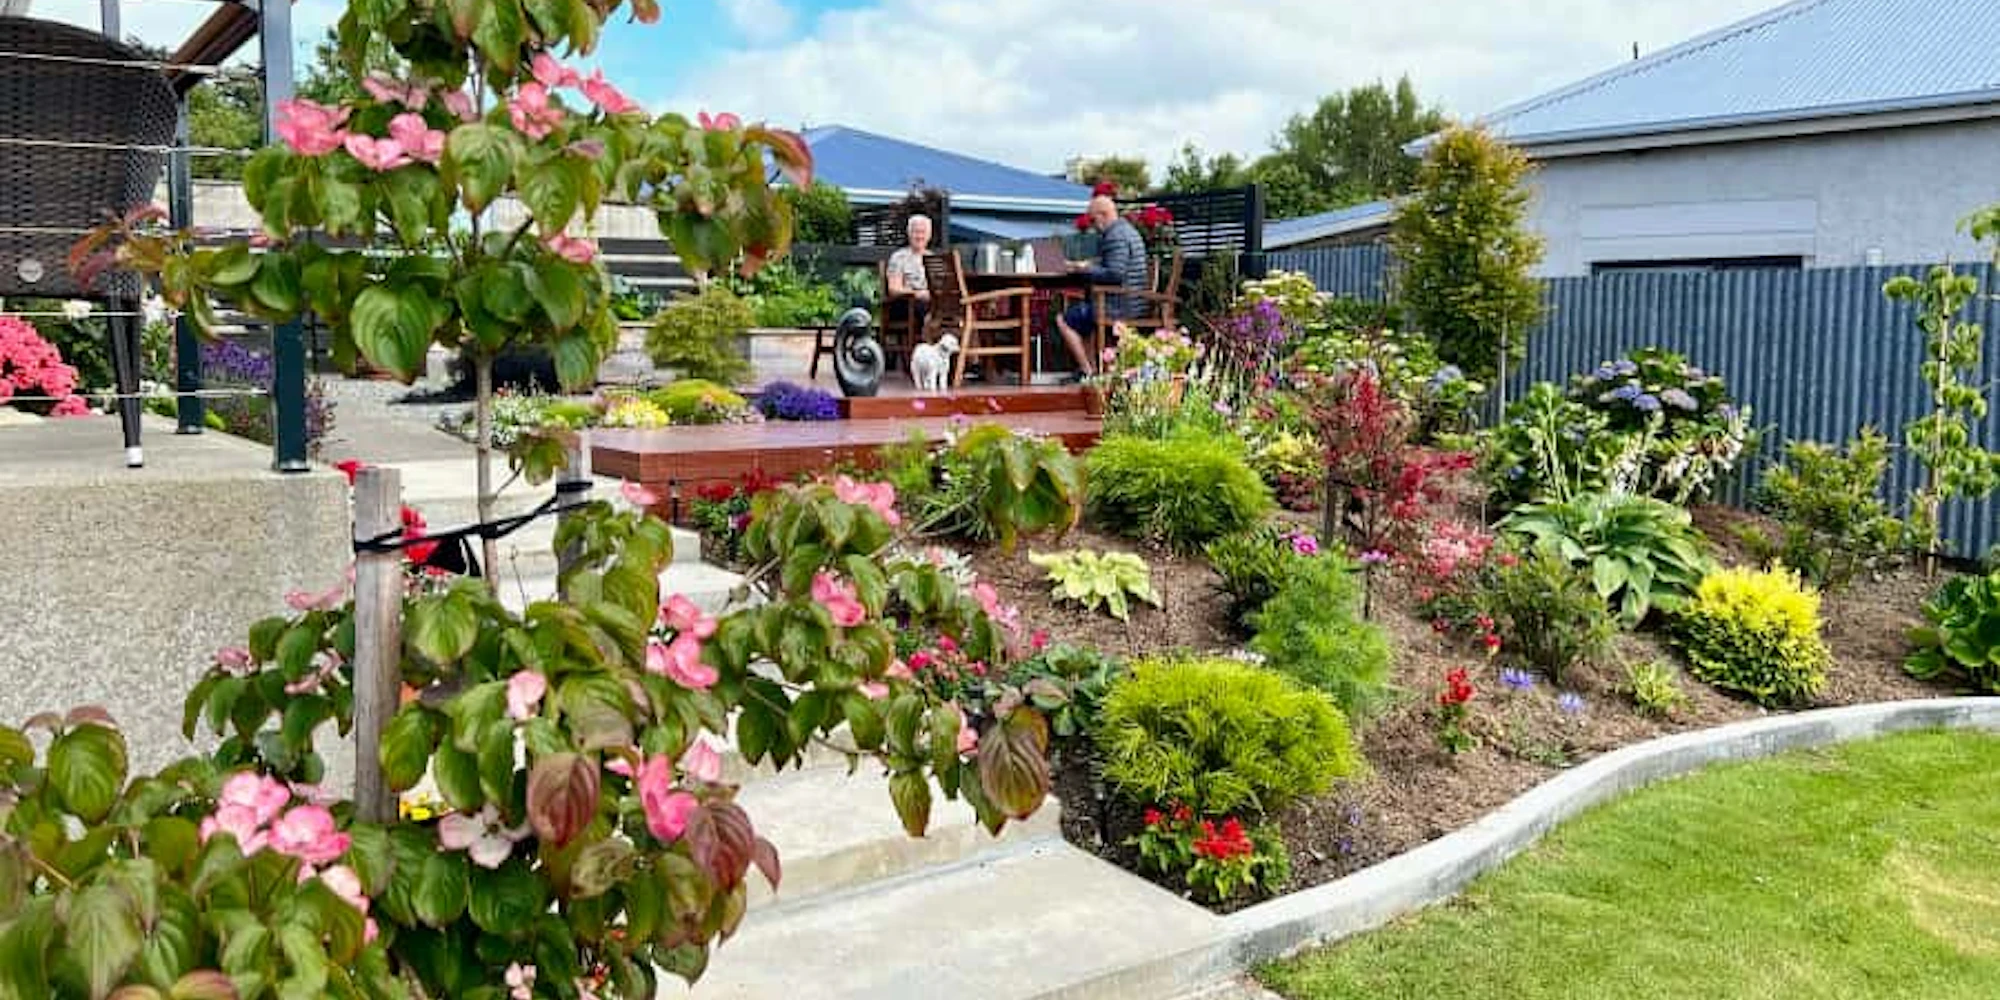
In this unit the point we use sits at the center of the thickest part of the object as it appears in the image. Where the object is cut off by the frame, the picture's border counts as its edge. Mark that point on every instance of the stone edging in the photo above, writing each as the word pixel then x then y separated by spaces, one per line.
pixel 1436 871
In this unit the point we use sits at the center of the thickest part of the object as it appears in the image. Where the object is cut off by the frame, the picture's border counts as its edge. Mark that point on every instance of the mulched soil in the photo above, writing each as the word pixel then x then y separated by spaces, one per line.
pixel 1414 792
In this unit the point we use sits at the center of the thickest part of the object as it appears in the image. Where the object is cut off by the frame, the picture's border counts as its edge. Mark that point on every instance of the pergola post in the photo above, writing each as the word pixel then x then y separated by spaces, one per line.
pixel 191 411
pixel 288 344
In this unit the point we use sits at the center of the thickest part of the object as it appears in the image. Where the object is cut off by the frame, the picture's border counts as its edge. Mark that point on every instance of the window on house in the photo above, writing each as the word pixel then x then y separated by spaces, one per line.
pixel 1703 265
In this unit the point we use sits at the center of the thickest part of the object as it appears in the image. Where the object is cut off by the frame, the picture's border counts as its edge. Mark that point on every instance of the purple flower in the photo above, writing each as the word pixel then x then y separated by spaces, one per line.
pixel 1374 557
pixel 785 401
pixel 1304 544
pixel 1570 702
pixel 1625 393
pixel 1517 680
pixel 1647 403
pixel 1678 399
pixel 1626 368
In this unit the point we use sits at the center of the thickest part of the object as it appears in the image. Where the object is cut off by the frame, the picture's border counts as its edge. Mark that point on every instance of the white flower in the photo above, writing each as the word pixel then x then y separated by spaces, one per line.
pixel 77 309
pixel 481 836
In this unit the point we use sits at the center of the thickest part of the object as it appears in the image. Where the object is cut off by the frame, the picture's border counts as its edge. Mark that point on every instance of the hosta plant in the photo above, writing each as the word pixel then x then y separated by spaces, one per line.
pixel 1961 634
pixel 1110 580
pixel 1639 552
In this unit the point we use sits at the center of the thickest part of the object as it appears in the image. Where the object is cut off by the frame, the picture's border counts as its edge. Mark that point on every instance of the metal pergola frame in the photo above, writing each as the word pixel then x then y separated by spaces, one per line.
pixel 217 39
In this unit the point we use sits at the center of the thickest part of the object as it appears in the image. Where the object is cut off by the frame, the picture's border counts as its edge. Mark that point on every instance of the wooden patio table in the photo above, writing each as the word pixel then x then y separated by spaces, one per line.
pixel 1049 288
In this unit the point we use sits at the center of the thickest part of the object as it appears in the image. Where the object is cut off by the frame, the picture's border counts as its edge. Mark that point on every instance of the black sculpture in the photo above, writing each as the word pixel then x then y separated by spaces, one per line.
pixel 857 357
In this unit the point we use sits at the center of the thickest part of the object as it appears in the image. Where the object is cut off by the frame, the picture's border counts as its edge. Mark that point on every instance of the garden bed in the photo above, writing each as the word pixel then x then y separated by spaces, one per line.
pixel 1413 791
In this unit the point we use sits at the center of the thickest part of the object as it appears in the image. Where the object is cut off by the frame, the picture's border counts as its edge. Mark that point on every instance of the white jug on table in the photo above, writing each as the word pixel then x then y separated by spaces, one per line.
pixel 1025 263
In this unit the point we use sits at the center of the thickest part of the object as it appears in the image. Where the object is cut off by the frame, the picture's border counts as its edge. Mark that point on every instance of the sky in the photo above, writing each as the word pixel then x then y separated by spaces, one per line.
pixel 1034 82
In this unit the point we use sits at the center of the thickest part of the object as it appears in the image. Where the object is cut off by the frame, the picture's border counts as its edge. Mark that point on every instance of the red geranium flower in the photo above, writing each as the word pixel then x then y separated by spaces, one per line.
pixel 1104 189
pixel 1083 222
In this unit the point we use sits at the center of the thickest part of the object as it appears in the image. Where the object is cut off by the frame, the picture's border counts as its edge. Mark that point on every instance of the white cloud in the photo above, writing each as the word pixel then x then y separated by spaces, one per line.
pixel 1032 82
pixel 760 21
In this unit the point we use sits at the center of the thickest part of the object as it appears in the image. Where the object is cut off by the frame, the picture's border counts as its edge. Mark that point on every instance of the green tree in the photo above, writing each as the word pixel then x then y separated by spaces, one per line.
pixel 1466 251
pixel 1190 172
pixel 225 114
pixel 820 213
pixel 329 79
pixel 1128 172
pixel 1347 151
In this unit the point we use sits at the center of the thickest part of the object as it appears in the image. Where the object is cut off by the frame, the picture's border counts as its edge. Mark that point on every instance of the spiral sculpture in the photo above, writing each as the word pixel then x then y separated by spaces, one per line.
pixel 857 358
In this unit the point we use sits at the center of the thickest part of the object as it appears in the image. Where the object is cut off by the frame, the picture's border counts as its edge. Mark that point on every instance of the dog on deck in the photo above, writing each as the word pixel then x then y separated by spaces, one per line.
pixel 930 364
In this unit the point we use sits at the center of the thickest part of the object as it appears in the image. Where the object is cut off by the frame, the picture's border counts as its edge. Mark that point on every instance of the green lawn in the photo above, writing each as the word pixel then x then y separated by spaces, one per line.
pixel 1871 870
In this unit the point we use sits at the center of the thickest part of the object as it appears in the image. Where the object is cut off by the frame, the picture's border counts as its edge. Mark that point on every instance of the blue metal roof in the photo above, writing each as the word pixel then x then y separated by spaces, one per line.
pixel 876 168
pixel 1808 59
pixel 1305 229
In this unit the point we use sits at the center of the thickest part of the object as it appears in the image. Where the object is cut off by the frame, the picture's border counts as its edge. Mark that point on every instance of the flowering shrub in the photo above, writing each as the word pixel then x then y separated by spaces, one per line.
pixel 226 364
pixel 785 401
pixel 1452 698
pixel 1160 353
pixel 1217 860
pixel 635 412
pixel 721 513
pixel 1439 396
pixel 698 401
pixel 30 366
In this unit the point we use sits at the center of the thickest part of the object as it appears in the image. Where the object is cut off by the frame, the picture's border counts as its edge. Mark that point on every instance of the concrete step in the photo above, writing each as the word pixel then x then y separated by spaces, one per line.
pixel 1038 920
pixel 834 831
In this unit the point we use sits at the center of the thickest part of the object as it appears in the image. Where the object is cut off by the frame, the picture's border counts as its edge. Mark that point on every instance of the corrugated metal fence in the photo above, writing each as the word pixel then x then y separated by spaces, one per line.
pixel 1819 353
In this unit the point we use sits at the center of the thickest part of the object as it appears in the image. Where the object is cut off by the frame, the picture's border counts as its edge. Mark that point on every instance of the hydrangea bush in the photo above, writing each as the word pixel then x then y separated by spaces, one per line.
pixel 31 366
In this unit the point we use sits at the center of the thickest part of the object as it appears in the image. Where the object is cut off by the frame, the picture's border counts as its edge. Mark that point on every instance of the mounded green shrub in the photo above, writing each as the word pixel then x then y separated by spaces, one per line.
pixel 1183 491
pixel 1253 564
pixel 1311 631
pixel 1755 632
pixel 1221 736
pixel 695 335
pixel 699 401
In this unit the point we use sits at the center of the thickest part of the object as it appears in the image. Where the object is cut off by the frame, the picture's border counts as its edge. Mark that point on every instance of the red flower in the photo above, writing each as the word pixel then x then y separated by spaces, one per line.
pixel 1154 817
pixel 1492 642
pixel 1457 688
pixel 715 492
pixel 1083 223
pixel 348 468
pixel 1439 625
pixel 1485 623
pixel 1182 813
pixel 414 527
pixel 1104 189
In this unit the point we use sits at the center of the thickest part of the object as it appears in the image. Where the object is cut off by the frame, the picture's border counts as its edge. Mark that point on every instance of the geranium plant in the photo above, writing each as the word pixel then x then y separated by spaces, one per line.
pixel 1218 860
pixel 1453 697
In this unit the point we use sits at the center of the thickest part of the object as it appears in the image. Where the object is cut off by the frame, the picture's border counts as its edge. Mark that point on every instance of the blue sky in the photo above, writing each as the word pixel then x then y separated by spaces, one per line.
pixel 1035 82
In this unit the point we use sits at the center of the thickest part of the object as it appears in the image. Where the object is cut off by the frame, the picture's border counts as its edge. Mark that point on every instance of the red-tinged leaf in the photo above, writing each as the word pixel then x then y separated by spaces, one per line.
pixel 722 842
pixel 49 721
pixel 1014 763
pixel 646 11
pixel 204 984
pixel 911 792
pixel 92 714
pixel 562 797
pixel 132 992
pixel 789 149
pixel 765 857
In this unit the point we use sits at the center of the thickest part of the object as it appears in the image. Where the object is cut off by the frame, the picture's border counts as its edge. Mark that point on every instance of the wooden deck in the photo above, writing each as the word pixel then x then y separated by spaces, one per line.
pixel 678 460
pixel 901 401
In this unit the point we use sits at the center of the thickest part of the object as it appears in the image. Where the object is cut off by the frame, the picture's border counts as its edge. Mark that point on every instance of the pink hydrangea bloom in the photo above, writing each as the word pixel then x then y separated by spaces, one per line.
pixel 311 129
pixel 702 763
pixel 481 836
pixel 531 112
pixel 684 616
pixel 667 808
pixel 308 834
pixel 524 693
pixel 578 250
pixel 607 97
pixel 379 155
pixel 839 599
pixel 71 406
pixel 418 139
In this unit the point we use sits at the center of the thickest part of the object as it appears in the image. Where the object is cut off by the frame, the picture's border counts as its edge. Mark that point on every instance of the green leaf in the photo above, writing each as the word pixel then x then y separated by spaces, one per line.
pixel 552 190
pixel 559 290
pixel 103 935
pixel 499 33
pixel 87 770
pixel 911 793
pixel 598 711
pixel 441 629
pixel 407 744
pixel 441 888
pixel 506 901
pixel 205 984
pixel 15 747
pixel 602 865
pixel 457 774
pixel 1607 575
pixel 173 842
pixel 412 195
pixel 372 855
pixel 393 328
pixel 276 286
pixel 481 157
pixel 576 358
pixel 1014 763
pixel 864 722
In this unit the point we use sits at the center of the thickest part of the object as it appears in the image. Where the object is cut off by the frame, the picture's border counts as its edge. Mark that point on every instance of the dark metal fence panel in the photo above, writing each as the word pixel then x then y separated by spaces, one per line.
pixel 1360 272
pixel 1818 353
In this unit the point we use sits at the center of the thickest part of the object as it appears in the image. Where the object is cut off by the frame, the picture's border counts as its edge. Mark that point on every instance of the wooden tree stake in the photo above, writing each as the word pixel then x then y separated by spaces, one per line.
pixel 378 637
pixel 576 469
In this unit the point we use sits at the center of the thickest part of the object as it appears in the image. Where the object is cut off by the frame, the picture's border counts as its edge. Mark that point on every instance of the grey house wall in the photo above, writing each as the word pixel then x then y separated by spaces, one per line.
pixel 1827 198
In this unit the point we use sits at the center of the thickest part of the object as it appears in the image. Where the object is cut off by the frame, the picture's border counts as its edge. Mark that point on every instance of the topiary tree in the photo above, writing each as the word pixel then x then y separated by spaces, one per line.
pixel 1466 253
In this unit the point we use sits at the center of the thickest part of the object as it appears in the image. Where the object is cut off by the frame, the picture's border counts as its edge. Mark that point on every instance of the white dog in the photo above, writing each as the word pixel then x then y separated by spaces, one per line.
pixel 930 364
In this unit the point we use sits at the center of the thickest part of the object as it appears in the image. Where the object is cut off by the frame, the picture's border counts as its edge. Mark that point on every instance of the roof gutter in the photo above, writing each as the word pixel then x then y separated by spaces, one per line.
pixel 990 202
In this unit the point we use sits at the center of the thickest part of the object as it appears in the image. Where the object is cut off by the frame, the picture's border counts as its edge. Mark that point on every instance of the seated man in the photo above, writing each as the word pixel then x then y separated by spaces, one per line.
pixel 1121 261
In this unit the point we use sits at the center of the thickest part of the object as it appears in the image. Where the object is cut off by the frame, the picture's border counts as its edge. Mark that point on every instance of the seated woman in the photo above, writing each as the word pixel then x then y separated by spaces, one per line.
pixel 907 288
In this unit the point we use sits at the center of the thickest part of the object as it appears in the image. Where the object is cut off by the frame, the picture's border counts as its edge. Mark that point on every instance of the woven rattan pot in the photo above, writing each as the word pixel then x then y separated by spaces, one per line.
pixel 62 188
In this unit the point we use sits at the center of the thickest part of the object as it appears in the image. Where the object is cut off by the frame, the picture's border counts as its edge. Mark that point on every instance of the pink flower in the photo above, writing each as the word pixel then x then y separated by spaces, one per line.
pixel 234 659
pixel 311 129
pixel 239 822
pixel 880 497
pixel 524 692
pixel 379 155
pixel 900 671
pixel 919 405
pixel 684 616
pixel 968 737
pixel 71 406
pixel 299 600
pixel 418 139
pixel 459 103
pixel 481 836
pixel 572 249
pixel 838 597
pixel 263 797
pixel 605 96
pixel 667 809
pixel 680 662
pixel 724 122
pixel 1039 641
pixel 551 73
pixel 947 644
pixel 873 690
pixel 347 885
pixel 638 495
pixel 520 981
pixel 308 834
pixel 413 94
pixel 531 112
pixel 702 763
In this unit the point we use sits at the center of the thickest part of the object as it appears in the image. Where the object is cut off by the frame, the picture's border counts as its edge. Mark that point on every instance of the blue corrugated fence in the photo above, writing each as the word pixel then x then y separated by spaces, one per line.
pixel 1818 353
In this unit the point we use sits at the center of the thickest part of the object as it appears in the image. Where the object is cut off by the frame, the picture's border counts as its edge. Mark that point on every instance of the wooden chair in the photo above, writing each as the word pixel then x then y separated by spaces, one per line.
pixel 997 333
pixel 1161 299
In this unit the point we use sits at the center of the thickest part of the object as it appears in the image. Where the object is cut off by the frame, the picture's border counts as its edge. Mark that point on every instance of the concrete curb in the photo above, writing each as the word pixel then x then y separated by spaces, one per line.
pixel 1436 871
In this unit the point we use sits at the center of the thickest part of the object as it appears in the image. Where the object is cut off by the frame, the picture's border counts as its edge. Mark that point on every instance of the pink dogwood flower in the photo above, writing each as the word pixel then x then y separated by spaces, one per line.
pixel 724 122
pixel 638 495
pixel 418 139
pixel 520 981
pixel 531 112
pixel 968 737
pixel 680 662
pixel 412 94
pixel 667 808
pixel 481 836
pixel 264 797
pixel 574 249
pixel 308 834
pixel 379 155
pixel 551 73
pixel 607 97
pixel 311 129
pixel 684 616
pixel 873 690
pixel 299 600
pixel 839 599
pixel 702 763
pixel 347 885
pixel 235 660
pixel 524 692
pixel 459 103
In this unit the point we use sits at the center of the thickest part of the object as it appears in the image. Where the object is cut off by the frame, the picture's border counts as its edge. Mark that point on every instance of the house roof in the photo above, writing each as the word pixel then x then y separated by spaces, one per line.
pixel 1292 232
pixel 1805 61
pixel 875 168
pixel 980 225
